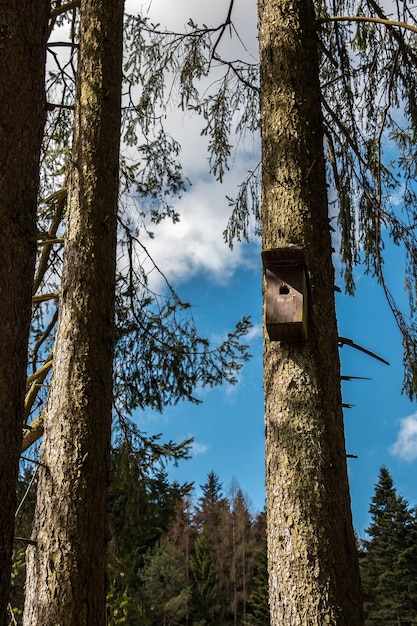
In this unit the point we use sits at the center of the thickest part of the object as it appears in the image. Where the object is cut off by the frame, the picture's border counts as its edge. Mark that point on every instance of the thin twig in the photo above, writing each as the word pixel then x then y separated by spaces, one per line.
pixel 12 617
pixel 223 28
pixel 31 542
pixel 32 480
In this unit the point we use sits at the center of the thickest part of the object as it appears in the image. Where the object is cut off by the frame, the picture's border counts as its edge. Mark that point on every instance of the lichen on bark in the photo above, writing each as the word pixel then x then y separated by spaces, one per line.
pixel 313 569
pixel 66 569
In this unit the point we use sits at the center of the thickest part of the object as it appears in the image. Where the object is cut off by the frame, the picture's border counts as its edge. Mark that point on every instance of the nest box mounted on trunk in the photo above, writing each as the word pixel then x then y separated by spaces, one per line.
pixel 286 294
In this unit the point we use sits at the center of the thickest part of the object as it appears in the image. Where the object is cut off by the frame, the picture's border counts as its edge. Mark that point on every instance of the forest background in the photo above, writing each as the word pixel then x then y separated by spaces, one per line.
pixel 404 444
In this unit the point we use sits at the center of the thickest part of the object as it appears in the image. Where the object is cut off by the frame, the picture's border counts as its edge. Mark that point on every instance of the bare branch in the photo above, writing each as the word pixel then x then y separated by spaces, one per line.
pixel 41 372
pixel 223 28
pixel 33 433
pixel 367 18
pixel 59 198
pixel 36 382
pixel 43 297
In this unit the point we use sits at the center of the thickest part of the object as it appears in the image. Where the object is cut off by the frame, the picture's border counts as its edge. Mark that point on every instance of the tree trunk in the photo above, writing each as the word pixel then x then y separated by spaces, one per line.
pixel 313 569
pixel 67 567
pixel 23 27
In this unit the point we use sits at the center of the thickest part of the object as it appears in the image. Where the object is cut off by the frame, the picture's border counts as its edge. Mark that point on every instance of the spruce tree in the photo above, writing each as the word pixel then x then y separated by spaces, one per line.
pixel 243 555
pixel 142 504
pixel 258 614
pixel 165 589
pixel 206 607
pixel 312 558
pixel 66 566
pixel 389 565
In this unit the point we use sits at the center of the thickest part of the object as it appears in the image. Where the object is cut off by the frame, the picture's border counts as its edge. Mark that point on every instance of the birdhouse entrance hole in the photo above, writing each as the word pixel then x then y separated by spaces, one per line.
pixel 285 294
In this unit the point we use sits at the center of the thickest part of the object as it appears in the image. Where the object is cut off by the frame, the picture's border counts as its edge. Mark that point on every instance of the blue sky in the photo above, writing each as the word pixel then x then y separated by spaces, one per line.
pixel 228 426
pixel 223 286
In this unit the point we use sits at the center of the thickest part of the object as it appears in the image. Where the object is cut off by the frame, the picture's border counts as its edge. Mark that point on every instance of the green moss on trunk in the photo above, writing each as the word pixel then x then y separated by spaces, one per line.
pixel 313 568
pixel 67 567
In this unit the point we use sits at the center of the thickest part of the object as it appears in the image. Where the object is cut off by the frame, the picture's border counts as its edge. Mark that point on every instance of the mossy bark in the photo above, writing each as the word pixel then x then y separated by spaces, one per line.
pixel 23 27
pixel 67 567
pixel 313 569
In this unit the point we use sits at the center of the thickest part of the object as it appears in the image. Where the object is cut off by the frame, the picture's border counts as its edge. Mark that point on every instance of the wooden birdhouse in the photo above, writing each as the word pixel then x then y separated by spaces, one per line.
pixel 286 294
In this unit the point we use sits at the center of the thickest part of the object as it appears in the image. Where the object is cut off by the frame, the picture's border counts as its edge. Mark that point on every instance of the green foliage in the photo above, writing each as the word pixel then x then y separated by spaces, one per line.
pixel 170 65
pixel 142 502
pixel 258 614
pixel 205 589
pixel 370 111
pixel 174 563
pixel 389 562
pixel 246 203
pixel 165 589
pixel 17 581
pixel 160 356
pixel 198 561
pixel 369 88
pixel 124 609
pixel 211 500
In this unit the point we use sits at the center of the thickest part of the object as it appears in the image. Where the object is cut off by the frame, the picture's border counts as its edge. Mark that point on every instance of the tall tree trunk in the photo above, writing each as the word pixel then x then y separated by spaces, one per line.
pixel 67 567
pixel 313 567
pixel 23 28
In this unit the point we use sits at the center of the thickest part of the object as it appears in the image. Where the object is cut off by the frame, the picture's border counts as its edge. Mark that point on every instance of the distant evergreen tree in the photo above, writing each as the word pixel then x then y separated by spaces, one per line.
pixel 165 590
pixel 182 533
pixel 209 507
pixel 142 504
pixel 213 515
pixel 242 564
pixel 164 567
pixel 389 563
pixel 207 609
pixel 258 614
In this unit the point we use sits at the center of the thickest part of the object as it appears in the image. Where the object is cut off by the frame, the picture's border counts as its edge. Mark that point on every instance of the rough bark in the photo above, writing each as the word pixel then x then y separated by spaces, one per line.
pixel 67 567
pixel 23 26
pixel 313 569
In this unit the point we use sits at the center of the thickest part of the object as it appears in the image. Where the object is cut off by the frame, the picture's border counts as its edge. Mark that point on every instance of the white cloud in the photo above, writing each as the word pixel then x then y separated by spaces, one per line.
pixel 195 246
pixel 405 446
pixel 198 449
pixel 256 332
